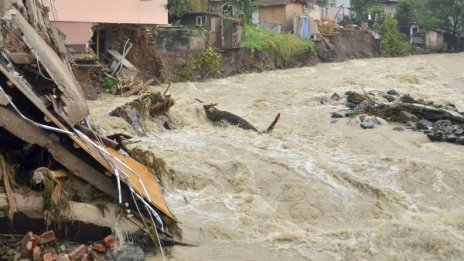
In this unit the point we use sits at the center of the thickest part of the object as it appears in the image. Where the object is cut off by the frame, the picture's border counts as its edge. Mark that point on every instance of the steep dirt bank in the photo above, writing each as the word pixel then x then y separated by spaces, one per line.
pixel 173 66
pixel 348 44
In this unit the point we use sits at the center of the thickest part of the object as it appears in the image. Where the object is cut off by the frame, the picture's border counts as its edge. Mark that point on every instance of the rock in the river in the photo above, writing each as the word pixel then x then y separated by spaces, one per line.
pixel 337 114
pixel 399 128
pixel 355 97
pixel 460 139
pixel 392 92
pixel 407 99
pixel 389 98
pixel 449 107
pixel 367 124
pixel 335 97
pixel 350 105
pixel 428 102
pixel 424 124
pixel 405 116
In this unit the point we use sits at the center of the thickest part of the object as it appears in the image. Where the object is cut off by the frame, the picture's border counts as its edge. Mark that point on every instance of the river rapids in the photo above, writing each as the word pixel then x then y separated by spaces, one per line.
pixel 312 189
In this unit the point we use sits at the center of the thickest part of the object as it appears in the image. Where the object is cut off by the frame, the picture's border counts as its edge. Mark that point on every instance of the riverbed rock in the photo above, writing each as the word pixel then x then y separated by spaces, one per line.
pixel 389 98
pixel 367 124
pixel 335 97
pixel 407 99
pixel 424 124
pixel 337 114
pixel 392 92
pixel 399 128
pixel 405 116
pixel 449 107
pixel 355 97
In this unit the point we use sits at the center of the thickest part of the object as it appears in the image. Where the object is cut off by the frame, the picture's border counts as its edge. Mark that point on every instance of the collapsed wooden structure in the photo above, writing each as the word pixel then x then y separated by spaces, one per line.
pixel 42 104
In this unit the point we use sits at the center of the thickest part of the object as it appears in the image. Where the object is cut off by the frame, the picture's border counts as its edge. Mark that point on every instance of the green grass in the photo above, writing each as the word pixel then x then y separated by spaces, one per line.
pixel 286 46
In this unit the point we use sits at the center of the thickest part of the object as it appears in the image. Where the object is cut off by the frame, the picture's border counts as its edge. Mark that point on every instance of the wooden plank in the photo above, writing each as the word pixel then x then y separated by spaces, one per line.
pixel 31 204
pixel 75 110
pixel 12 207
pixel 96 154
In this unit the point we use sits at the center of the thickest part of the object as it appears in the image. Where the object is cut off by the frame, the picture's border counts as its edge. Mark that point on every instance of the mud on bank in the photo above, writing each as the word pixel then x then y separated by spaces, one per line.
pixel 178 66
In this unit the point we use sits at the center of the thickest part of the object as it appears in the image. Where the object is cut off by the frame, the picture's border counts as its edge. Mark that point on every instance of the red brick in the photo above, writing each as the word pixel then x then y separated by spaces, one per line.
pixel 99 248
pixel 77 253
pixel 110 242
pixel 49 257
pixel 47 237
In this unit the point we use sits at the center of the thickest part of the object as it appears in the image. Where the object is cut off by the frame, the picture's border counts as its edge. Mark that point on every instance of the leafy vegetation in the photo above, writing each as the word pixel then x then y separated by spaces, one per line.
pixel 286 46
pixel 393 43
pixel 208 63
pixel 443 14
pixel 179 7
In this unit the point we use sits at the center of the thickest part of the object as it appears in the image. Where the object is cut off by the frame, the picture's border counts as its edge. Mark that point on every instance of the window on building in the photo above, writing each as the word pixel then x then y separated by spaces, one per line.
pixel 201 20
pixel 332 3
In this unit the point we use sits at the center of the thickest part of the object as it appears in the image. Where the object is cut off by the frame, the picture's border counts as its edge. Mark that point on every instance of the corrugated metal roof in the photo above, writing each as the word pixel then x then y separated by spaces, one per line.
pixel 275 2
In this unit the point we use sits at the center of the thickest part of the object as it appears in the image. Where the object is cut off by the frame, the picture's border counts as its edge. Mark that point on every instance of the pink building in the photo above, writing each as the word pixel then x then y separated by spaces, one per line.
pixel 75 18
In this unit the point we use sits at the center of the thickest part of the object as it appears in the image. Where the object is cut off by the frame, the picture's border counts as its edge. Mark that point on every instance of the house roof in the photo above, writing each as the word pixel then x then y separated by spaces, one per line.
pixel 275 2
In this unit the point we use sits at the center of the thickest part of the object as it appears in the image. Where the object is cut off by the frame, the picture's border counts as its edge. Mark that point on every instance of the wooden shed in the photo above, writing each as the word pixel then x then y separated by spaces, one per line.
pixel 434 39
pixel 280 12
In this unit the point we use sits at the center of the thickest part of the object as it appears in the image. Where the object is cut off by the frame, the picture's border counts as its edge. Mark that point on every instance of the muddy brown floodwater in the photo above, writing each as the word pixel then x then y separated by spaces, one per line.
pixel 311 189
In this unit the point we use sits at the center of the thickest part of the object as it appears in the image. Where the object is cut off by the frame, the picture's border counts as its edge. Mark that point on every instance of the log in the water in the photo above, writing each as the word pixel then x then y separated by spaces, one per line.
pixel 216 115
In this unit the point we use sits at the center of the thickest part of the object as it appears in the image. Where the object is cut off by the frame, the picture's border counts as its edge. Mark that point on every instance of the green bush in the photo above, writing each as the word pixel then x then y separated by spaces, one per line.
pixel 393 43
pixel 209 62
pixel 286 46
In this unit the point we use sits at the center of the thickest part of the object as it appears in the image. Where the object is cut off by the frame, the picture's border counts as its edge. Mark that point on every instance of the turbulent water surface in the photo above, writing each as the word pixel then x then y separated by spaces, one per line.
pixel 311 189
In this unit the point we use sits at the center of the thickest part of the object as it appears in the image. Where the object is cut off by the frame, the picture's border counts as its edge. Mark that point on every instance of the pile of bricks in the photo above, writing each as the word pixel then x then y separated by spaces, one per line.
pixel 44 247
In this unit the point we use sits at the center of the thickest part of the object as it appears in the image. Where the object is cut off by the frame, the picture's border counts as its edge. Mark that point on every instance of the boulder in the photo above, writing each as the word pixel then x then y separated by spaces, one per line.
pixel 407 99
pixel 399 128
pixel 405 116
pixel 337 114
pixel 424 124
pixel 335 97
pixel 389 98
pixel 355 97
pixel 392 92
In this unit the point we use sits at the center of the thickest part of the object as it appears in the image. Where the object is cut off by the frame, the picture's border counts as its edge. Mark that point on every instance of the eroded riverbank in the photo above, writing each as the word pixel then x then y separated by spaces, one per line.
pixel 311 189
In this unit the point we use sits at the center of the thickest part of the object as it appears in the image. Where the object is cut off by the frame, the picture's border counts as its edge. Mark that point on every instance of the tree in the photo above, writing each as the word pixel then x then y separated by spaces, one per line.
pixel 443 14
pixel 179 7
pixel 245 9
pixel 393 43
pixel 361 7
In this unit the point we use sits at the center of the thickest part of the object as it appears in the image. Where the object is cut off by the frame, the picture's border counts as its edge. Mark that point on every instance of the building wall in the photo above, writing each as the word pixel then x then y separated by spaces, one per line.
pixel 109 11
pixel 434 40
pixel 75 33
pixel 290 11
pixel 272 14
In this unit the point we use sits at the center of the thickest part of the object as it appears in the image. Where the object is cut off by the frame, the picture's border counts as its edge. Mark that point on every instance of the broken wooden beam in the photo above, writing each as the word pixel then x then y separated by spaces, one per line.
pixel 73 110
pixel 101 215
pixel 138 88
pixel 12 206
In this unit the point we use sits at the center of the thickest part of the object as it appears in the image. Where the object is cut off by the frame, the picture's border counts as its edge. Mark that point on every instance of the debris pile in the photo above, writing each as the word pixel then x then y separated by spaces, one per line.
pixel 153 106
pixel 56 171
pixel 47 247
pixel 439 122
